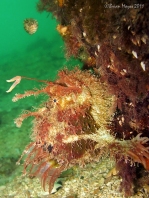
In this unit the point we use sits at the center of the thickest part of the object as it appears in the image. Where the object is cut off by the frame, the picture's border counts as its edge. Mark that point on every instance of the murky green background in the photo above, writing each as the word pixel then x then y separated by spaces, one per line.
pixel 39 56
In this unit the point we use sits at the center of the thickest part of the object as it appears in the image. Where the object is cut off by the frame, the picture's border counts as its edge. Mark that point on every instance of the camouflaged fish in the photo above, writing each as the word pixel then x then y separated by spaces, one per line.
pixel 30 25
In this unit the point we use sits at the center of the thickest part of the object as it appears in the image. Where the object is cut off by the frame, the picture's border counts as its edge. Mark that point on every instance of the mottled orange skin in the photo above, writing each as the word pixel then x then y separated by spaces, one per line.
pixel 65 113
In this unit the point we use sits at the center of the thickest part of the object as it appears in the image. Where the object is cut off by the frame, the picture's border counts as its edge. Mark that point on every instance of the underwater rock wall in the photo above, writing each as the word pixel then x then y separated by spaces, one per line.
pixel 112 39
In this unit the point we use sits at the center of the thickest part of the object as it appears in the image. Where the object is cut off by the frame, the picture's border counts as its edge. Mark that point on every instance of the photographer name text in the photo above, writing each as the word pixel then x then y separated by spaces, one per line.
pixel 123 6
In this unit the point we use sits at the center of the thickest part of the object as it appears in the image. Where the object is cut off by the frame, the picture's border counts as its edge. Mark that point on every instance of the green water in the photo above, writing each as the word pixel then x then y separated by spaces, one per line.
pixel 39 56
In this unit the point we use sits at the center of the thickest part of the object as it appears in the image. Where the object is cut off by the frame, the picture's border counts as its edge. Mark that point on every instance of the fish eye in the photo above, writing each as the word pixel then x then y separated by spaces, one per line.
pixel 50 147
pixel 54 100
